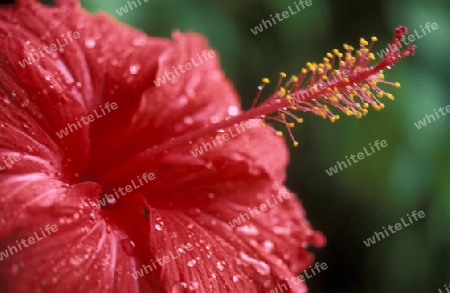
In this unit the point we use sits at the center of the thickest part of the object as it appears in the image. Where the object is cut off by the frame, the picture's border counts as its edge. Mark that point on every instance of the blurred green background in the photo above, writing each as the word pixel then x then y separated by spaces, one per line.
pixel 410 174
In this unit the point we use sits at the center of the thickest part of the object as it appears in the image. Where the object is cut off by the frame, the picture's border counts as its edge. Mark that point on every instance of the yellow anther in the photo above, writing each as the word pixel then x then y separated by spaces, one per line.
pixel 345 79
pixel 329 55
pixel 358 105
pixel 342 63
pixel 279 133
pixel 295 144
pixel 304 71
pixel 277 101
pixel 281 92
pixel 375 106
pixel 283 115
pixel 263 124
pixel 325 59
pixel 333 99
pixel 365 111
pixel 294 78
pixel 381 105
pixel 374 39
pixel 320 71
pixel 397 85
pixel 265 80
pixel 300 120
pixel 347 111
pixel 358 115
pixel 289 98
pixel 390 96
pixel 371 56
pixel 381 75
pixel 336 52
pixel 366 105
pixel 380 94
pixel 333 119
pixel 293 108
pixel 373 82
pixel 282 74
pixel 291 125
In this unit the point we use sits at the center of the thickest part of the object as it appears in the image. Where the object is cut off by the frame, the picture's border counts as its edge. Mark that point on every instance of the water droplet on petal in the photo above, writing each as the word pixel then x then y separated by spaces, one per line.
pixel 260 266
pixel 193 286
pixel 188 120
pixel 220 266
pixel 179 288
pixel 248 230
pixel 129 247
pixel 233 110
pixel 191 263
pixel 134 69
pixel 90 43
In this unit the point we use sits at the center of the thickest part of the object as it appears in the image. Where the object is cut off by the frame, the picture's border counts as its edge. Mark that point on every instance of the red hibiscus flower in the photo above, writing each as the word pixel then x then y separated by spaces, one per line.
pixel 104 188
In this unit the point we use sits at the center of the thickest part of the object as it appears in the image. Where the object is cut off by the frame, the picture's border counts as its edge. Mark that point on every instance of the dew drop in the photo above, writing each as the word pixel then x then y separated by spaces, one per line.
pixel 179 288
pixel 233 110
pixel 134 69
pixel 248 230
pixel 129 247
pixel 193 286
pixel 220 266
pixel 260 266
pixel 75 260
pixel 268 245
pixel 90 43
pixel 188 120
pixel 159 227
pixel 191 263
